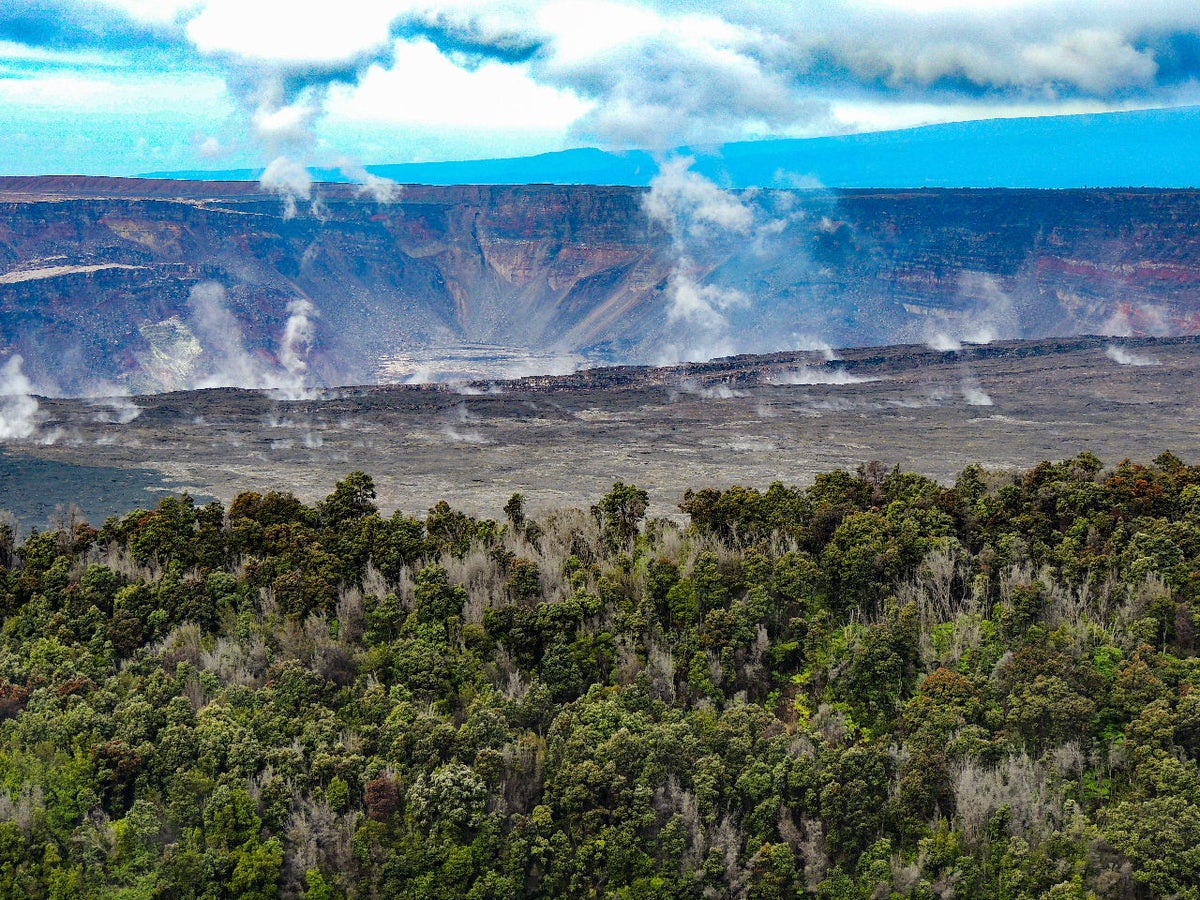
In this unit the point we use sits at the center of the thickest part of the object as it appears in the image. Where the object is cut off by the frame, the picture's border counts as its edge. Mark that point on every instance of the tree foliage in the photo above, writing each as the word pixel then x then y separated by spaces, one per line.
pixel 873 686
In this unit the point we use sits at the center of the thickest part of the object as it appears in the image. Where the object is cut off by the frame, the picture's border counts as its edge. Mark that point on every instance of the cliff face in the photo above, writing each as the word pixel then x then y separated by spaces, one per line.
pixel 97 276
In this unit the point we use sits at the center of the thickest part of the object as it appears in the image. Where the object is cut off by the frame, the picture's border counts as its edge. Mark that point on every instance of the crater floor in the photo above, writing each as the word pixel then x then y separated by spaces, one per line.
pixel 564 440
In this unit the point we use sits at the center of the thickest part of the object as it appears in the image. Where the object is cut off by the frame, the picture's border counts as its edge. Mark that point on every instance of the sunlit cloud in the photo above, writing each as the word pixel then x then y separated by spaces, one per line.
pixel 305 79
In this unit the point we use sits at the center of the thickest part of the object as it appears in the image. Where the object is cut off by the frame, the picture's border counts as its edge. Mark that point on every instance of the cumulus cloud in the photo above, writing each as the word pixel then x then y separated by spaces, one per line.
pixel 279 64
pixel 652 73
pixel 684 84
pixel 473 34
pixel 659 74
pixel 75 24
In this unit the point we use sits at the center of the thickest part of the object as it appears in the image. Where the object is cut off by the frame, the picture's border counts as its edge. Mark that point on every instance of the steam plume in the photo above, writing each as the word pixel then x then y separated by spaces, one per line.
pixel 719 391
pixel 298 336
pixel 972 392
pixel 381 190
pixel 290 180
pixel 230 364
pixel 695 213
pixel 219 332
pixel 1124 357
pixel 115 410
pixel 811 342
pixel 975 395
pixel 943 343
pixel 991 316
pixel 1129 319
pixel 819 375
pixel 18 407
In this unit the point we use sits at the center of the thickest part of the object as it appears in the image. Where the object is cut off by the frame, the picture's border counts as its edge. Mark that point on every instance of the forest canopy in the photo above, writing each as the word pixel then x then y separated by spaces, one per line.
pixel 874 686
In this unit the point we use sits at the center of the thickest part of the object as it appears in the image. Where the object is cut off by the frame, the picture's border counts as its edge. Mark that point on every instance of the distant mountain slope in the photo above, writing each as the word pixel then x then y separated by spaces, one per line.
pixel 1143 148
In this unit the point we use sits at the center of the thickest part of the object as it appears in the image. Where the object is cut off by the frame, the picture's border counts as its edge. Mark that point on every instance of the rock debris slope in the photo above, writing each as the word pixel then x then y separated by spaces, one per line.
pixel 97 276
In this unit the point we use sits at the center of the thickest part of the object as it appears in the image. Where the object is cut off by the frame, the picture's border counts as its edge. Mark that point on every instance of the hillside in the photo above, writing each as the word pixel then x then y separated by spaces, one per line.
pixel 97 277
pixel 1142 148
pixel 875 686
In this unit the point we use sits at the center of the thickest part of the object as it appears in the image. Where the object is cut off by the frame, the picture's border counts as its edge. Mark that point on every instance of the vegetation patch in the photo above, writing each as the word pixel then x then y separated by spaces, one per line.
pixel 872 687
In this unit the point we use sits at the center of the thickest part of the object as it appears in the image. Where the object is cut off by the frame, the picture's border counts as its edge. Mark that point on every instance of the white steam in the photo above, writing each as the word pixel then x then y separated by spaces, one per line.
pixel 990 315
pixel 943 343
pixel 282 126
pixel 976 396
pixel 464 435
pixel 115 410
pixel 972 392
pixel 381 190
pixel 18 406
pixel 691 207
pixel 695 213
pixel 697 311
pixel 220 334
pixel 298 337
pixel 718 391
pixel 1130 319
pixel 819 375
pixel 553 363
pixel 811 342
pixel 227 362
pixel 1124 357
pixel 290 180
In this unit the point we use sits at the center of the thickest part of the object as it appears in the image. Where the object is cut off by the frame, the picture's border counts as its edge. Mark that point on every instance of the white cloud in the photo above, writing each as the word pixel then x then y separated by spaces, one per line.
pixel 313 32
pixel 589 28
pixel 1096 60
pixel 12 51
pixel 424 87
pixel 162 11
pixel 117 92
pixel 655 73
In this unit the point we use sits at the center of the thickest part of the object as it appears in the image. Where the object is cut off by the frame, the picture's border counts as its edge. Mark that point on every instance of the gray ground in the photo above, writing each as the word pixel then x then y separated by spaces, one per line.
pixel 564 441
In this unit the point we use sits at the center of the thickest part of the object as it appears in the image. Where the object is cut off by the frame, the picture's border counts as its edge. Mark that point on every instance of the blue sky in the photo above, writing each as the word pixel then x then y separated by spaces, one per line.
pixel 127 86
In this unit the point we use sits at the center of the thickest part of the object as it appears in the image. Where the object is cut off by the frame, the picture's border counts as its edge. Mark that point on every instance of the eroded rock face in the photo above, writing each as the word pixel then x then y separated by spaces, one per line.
pixel 96 276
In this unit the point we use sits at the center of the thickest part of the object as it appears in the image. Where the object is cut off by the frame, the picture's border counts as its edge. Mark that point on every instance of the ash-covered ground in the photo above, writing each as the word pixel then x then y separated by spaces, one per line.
pixel 564 440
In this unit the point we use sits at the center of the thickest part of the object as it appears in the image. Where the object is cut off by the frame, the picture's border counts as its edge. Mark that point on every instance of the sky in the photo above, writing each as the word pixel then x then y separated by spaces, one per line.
pixel 127 86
